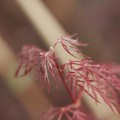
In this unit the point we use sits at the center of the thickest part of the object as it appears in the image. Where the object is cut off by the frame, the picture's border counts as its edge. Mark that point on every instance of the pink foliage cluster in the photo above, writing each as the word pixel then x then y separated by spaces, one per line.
pixel 78 76
pixel 44 63
pixel 67 112
pixel 93 79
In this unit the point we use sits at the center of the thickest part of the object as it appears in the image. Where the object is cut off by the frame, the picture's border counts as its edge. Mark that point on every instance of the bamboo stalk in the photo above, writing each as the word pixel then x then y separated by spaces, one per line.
pixel 24 89
pixel 48 27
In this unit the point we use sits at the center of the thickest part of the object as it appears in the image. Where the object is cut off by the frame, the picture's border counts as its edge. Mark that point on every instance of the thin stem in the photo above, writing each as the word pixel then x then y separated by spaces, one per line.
pixel 61 76
pixel 77 100
pixel 55 44
pixel 66 87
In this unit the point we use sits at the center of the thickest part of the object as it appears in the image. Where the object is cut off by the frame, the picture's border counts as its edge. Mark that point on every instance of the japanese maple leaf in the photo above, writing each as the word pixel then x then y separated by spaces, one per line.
pixel 69 112
pixel 43 62
pixel 70 44
pixel 92 78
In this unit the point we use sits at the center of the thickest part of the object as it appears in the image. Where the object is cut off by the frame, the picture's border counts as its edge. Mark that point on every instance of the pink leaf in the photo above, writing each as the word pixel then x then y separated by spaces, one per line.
pixel 68 43
pixel 85 75
pixel 69 112
pixel 44 63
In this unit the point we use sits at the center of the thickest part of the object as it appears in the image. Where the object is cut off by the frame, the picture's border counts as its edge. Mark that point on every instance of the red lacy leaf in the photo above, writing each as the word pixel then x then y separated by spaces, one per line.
pixel 68 43
pixel 44 64
pixel 28 57
pixel 67 113
pixel 91 78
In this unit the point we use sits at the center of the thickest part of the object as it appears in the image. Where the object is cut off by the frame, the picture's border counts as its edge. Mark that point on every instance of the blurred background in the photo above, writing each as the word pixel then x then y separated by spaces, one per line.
pixel 40 22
